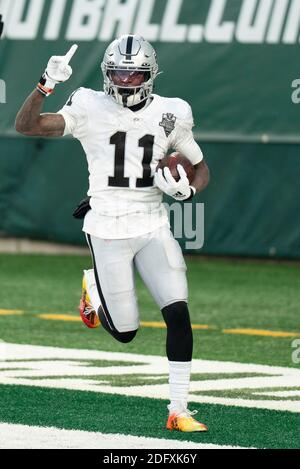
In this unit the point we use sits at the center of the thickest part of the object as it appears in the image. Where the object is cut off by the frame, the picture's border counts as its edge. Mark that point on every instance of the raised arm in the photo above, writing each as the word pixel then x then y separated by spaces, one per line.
pixel 30 120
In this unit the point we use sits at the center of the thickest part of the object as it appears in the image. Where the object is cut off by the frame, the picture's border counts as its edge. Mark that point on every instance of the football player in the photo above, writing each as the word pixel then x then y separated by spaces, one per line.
pixel 125 131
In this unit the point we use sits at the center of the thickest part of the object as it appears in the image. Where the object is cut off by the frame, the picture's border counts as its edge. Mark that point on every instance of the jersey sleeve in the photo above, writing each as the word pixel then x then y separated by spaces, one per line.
pixel 183 140
pixel 75 115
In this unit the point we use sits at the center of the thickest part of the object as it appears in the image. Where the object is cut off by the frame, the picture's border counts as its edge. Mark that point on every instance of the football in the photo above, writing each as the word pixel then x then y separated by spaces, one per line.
pixel 171 162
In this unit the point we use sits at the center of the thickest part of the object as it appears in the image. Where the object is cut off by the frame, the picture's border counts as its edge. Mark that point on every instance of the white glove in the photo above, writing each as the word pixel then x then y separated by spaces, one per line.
pixel 58 71
pixel 180 190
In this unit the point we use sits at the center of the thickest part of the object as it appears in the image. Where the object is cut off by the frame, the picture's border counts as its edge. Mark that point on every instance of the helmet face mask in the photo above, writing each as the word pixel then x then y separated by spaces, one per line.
pixel 129 69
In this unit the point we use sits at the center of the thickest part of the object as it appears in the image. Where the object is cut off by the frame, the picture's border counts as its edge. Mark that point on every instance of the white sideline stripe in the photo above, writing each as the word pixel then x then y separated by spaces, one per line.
pixel 26 246
pixel 26 437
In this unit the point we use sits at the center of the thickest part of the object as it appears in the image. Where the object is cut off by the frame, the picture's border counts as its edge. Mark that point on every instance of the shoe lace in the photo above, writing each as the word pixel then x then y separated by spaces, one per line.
pixel 188 413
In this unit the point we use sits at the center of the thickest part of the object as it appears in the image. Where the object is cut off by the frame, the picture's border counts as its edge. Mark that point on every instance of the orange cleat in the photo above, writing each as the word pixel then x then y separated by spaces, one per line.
pixel 87 312
pixel 184 422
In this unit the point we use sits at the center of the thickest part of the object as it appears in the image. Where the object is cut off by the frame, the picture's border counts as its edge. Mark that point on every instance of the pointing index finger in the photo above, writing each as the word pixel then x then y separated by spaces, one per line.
pixel 70 54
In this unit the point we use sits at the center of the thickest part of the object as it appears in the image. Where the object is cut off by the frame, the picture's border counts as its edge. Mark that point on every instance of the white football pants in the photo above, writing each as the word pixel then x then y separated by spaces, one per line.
pixel 158 258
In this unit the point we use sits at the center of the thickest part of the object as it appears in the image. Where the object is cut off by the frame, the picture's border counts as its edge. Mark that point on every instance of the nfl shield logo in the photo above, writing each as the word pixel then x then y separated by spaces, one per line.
pixel 168 123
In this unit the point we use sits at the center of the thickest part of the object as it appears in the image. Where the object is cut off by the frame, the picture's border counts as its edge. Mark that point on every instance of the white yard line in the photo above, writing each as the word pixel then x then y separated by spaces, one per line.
pixel 26 437
pixel 69 373
pixel 285 394
pixel 154 363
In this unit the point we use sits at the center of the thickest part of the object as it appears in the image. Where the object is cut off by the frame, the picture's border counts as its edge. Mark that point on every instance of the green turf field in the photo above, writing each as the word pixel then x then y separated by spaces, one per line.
pixel 248 312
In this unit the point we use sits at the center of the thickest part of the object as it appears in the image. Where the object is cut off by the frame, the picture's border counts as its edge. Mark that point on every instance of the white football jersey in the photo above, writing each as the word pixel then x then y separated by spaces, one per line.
pixel 123 149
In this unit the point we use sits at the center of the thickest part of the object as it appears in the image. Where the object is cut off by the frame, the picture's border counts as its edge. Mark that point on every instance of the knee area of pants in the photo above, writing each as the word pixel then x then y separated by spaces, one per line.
pixel 125 337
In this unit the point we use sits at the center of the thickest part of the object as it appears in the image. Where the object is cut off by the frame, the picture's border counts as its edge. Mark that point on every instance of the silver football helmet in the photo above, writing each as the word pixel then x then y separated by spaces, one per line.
pixel 129 68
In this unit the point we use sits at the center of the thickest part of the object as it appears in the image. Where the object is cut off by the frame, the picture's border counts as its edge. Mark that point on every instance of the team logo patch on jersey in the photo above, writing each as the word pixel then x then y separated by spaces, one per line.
pixel 168 123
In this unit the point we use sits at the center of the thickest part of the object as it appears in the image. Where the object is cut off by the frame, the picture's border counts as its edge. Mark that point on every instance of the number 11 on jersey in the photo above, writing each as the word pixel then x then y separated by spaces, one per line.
pixel 119 179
